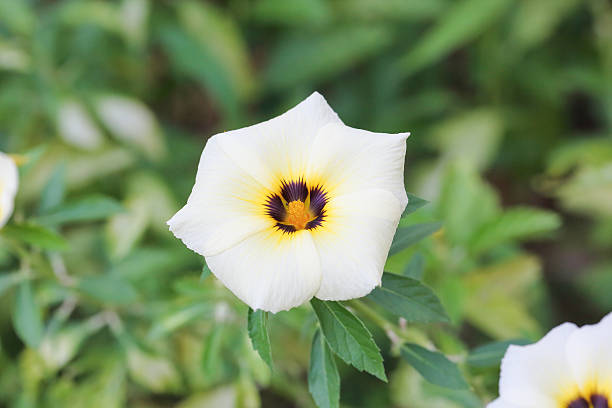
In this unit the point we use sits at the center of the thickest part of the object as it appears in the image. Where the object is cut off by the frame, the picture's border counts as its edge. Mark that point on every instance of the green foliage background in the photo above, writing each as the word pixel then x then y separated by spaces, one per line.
pixel 109 104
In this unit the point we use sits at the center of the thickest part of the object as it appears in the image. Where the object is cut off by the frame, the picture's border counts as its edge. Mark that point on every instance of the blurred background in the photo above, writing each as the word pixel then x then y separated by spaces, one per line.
pixel 109 104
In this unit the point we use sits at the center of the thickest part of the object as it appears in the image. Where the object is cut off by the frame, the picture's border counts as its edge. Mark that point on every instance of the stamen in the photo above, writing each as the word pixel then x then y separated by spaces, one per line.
pixel 297 206
pixel 298 215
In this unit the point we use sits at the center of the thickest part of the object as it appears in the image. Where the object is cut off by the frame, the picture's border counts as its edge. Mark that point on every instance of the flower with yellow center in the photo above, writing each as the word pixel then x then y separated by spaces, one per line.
pixel 570 367
pixel 298 206
pixel 9 180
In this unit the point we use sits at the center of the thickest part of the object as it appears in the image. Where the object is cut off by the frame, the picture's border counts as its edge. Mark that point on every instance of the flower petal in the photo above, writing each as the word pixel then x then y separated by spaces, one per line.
pixel 270 270
pixel 538 375
pixel 589 351
pixel 500 403
pixel 345 160
pixel 279 148
pixel 354 241
pixel 225 205
pixel 9 182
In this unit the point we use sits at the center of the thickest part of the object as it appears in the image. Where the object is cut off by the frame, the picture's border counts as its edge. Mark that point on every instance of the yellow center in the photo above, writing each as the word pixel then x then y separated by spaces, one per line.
pixel 298 215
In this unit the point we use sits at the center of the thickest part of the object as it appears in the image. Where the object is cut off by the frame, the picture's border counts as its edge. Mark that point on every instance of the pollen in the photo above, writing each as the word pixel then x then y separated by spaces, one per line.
pixel 298 215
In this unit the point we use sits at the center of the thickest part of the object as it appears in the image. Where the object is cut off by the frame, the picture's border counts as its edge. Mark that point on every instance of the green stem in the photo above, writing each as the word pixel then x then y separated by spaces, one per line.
pixel 372 315
pixel 395 333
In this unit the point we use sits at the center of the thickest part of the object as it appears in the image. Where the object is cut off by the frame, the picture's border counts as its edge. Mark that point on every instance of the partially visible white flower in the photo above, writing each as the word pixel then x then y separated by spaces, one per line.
pixel 76 126
pixel 570 367
pixel 298 206
pixel 131 122
pixel 9 182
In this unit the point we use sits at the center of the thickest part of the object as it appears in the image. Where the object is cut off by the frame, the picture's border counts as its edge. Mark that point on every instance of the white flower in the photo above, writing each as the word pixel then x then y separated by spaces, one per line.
pixel 295 207
pixel 9 180
pixel 570 367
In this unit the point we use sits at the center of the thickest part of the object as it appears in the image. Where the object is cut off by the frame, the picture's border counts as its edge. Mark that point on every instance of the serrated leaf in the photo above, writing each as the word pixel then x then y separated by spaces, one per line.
pixel 514 224
pixel 323 377
pixel 490 355
pixel 259 332
pixel 348 337
pixel 108 289
pixel 410 235
pixel 433 366
pixel 414 203
pixel 91 208
pixel 27 318
pixel 36 235
pixel 408 298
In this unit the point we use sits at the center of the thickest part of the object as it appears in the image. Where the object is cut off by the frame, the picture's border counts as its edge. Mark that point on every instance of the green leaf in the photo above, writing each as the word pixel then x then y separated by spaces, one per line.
pixel 327 54
pixel 414 203
pixel 53 193
pixel 490 355
pixel 433 366
pixel 470 136
pixel 406 236
pixel 220 34
pixel 259 332
pixel 206 272
pixel 536 21
pixel 27 318
pixel 465 202
pixel 408 298
pixel 108 289
pixel 293 13
pixel 212 358
pixel 596 281
pixel 36 235
pixel 91 208
pixel 388 10
pixel 10 279
pixel 514 224
pixel 18 16
pixel 323 377
pixel 141 132
pixel 349 338
pixel 188 58
pixel 169 322
pixel 495 298
pixel 580 153
pixel 464 21
pixel 415 267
